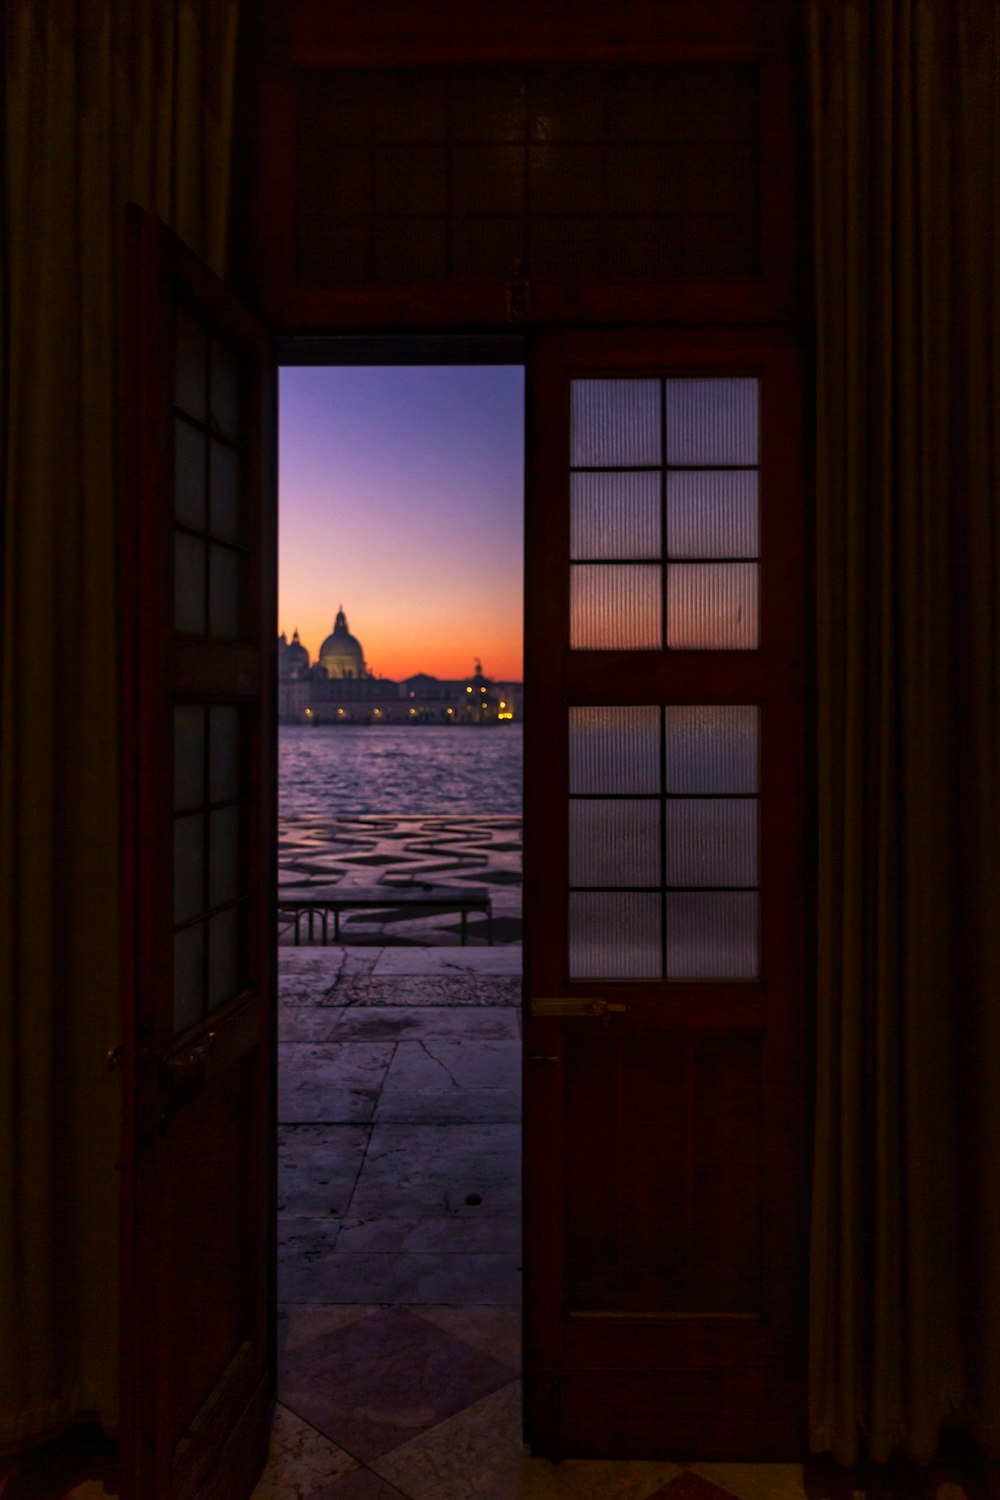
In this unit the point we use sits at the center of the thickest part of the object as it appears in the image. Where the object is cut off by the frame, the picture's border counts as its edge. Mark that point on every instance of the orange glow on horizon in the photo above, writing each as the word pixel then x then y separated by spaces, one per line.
pixel 401 496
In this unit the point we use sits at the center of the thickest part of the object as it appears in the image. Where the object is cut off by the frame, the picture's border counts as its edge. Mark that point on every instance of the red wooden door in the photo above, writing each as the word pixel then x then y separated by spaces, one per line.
pixel 198 609
pixel 664 1143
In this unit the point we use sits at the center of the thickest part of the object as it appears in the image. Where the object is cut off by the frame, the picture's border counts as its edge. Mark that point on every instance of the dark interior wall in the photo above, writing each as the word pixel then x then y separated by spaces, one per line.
pixel 477 167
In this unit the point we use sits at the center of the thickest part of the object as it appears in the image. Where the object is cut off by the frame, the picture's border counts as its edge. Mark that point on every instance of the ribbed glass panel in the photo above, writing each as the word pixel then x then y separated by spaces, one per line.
pixel 615 515
pixel 712 513
pixel 711 747
pixel 223 855
pixel 189 756
pixel 189 979
pixel 224 598
pixel 224 782
pixel 615 422
pixel 614 843
pixel 614 935
pixel 711 421
pixel 189 475
pixel 191 367
pixel 223 957
pixel 614 749
pixel 615 608
pixel 224 483
pixel 712 606
pixel 189 583
pixel 225 391
pixel 189 866
pixel 712 841
pixel 712 935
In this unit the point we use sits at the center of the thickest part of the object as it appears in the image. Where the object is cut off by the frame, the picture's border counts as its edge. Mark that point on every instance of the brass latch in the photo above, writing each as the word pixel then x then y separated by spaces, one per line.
pixel 583 1006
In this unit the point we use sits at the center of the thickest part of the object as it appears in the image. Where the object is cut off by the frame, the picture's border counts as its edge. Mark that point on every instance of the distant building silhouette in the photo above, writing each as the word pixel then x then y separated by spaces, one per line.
pixel 340 689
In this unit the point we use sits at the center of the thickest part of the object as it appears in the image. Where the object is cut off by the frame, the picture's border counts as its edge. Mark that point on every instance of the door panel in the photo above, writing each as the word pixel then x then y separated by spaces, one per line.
pixel 664 1182
pixel 198 548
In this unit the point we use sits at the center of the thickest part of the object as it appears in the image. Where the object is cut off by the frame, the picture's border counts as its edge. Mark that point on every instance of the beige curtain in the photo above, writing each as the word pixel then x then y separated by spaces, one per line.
pixel 105 101
pixel 905 1288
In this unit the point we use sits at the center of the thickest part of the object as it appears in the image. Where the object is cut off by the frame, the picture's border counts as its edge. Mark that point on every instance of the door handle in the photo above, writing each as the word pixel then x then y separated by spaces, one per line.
pixel 190 1066
pixel 582 1006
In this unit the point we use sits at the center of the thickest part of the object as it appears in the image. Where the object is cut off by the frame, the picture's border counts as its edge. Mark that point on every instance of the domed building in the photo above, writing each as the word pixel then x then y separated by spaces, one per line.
pixel 340 654
pixel 297 657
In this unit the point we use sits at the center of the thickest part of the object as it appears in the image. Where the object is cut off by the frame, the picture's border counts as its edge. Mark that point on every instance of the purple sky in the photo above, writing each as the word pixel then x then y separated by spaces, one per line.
pixel 401 495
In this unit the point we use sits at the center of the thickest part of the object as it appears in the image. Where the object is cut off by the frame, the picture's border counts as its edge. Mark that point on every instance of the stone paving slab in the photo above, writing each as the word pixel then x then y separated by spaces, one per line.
pixel 426 1021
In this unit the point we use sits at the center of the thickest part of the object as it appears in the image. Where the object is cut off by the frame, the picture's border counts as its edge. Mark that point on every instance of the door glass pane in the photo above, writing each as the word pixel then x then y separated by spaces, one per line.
pixel 614 935
pixel 189 866
pixel 225 493
pixel 223 855
pixel 615 423
pixel 615 607
pixel 712 841
pixel 614 749
pixel 189 755
pixel 711 747
pixel 615 516
pixel 224 764
pixel 189 976
pixel 712 513
pixel 223 957
pixel 225 390
pixel 614 843
pixel 712 606
pixel 712 935
pixel 189 475
pixel 191 366
pixel 224 596
pixel 189 583
pixel 711 421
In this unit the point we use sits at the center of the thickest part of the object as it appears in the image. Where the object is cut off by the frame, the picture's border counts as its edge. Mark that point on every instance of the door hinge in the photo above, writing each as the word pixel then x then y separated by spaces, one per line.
pixel 582 1006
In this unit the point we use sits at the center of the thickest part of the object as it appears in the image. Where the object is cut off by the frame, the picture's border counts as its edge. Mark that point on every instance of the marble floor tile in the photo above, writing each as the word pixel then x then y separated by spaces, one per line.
pixel 755 1481
pixel 302 1462
pixel 307 1320
pixel 456 1064
pixel 467 1229
pixel 450 1107
pixel 400 1021
pixel 501 959
pixel 318 1166
pixel 478 1455
pixel 362 1484
pixel 430 1170
pixel 375 1384
pixel 308 1272
pixel 495 1330
pixel 436 989
pixel 318 1082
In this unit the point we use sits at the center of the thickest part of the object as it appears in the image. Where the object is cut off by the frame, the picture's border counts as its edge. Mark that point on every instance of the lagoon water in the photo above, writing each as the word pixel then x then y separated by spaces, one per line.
pixel 351 770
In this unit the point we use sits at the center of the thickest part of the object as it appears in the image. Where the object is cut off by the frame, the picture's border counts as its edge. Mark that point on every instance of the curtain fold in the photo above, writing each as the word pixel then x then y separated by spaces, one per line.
pixel 105 102
pixel 905 1261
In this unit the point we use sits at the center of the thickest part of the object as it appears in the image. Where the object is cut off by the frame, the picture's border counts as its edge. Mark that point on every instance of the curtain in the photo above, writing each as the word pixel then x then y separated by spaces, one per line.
pixel 905 1264
pixel 105 101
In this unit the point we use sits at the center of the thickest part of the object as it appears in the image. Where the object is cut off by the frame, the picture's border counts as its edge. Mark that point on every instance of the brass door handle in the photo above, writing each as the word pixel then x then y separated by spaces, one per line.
pixel 190 1065
pixel 582 1006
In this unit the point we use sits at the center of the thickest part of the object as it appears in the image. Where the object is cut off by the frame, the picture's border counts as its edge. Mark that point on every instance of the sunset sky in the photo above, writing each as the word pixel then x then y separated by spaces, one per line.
pixel 401 498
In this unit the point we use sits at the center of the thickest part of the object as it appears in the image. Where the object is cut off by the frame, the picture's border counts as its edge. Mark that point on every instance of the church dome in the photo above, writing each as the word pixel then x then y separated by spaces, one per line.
pixel 341 654
pixel 296 655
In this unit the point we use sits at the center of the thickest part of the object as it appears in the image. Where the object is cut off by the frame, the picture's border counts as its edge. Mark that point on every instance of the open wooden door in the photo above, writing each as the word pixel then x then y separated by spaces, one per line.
pixel 664 1142
pixel 198 611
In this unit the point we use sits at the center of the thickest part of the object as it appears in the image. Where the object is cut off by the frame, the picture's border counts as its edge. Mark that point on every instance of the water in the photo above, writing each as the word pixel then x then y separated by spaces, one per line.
pixel 358 769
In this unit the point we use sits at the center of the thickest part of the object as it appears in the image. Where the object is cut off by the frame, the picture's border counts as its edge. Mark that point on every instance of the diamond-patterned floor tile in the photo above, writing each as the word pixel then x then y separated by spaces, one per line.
pixel 383 1379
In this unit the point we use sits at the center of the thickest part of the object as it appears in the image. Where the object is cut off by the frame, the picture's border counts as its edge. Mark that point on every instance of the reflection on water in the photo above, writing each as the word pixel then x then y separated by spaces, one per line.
pixel 399 769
